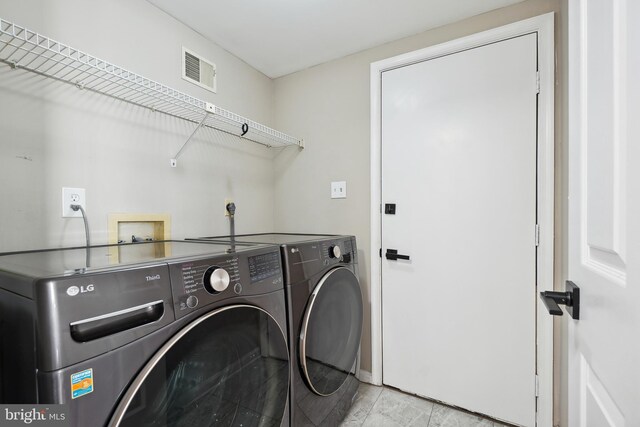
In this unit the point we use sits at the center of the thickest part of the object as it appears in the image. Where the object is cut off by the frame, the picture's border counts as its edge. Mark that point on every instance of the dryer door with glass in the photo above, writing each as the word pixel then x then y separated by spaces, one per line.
pixel 330 333
pixel 228 367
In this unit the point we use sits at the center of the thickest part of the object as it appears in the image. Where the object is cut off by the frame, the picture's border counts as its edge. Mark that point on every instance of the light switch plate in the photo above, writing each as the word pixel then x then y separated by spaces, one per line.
pixel 339 190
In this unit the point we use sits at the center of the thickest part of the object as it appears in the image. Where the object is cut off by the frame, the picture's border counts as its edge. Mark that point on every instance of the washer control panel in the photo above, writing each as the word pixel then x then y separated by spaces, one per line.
pixel 199 282
pixel 264 266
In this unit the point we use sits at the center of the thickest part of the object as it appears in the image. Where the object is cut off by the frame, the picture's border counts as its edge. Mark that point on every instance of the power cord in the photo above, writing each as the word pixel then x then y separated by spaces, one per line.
pixel 86 229
pixel 231 208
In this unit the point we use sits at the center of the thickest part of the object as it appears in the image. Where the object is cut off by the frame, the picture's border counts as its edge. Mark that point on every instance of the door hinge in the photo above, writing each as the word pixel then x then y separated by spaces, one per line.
pixel 537 81
pixel 537 235
pixel 537 386
pixel 380 252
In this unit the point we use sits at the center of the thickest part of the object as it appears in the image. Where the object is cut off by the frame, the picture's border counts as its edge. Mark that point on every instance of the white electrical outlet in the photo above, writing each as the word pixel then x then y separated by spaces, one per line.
pixel 339 190
pixel 73 196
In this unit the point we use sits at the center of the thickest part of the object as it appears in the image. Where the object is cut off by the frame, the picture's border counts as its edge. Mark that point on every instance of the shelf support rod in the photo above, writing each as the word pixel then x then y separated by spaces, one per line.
pixel 174 161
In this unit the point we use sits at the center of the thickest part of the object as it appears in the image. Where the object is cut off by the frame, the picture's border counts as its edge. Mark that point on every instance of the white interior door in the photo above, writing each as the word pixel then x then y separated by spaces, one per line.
pixel 459 163
pixel 604 214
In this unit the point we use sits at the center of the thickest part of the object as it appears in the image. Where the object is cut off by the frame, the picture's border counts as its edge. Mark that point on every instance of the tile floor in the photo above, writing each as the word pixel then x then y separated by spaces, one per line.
pixel 387 407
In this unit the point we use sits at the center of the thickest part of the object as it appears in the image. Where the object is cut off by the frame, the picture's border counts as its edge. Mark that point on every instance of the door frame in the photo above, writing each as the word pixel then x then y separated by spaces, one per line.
pixel 543 25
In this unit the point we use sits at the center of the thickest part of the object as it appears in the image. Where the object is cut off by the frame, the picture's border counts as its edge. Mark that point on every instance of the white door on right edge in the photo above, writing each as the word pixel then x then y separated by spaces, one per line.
pixel 459 163
pixel 604 212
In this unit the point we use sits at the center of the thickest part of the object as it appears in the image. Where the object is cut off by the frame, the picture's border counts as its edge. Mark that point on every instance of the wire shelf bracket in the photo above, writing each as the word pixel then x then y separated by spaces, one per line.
pixel 21 48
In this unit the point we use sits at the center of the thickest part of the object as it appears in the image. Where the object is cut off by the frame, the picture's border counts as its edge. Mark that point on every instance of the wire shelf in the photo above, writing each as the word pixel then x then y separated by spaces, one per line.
pixel 28 50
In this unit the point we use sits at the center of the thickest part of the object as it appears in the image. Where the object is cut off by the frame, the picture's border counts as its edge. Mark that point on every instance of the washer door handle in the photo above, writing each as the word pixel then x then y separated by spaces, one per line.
pixel 393 255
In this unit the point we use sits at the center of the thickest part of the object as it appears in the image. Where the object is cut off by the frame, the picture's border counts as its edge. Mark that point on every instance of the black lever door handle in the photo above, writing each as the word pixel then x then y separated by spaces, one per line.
pixel 570 298
pixel 550 300
pixel 393 255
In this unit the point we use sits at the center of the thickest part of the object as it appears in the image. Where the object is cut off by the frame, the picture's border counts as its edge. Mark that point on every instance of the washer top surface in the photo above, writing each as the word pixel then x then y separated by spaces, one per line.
pixel 71 261
pixel 270 238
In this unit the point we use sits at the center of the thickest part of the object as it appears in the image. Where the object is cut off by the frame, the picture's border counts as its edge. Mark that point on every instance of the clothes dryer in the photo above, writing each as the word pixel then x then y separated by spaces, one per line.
pixel 324 320
pixel 163 333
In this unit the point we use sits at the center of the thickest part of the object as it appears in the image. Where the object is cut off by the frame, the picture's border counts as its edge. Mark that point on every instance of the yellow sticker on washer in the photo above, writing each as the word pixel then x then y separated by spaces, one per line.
pixel 81 383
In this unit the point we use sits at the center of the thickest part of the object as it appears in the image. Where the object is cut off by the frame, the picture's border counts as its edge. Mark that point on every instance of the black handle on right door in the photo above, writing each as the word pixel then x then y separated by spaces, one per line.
pixel 570 298
pixel 393 255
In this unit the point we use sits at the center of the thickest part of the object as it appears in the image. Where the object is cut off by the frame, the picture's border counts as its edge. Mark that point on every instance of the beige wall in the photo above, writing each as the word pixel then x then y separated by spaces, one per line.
pixel 118 152
pixel 328 106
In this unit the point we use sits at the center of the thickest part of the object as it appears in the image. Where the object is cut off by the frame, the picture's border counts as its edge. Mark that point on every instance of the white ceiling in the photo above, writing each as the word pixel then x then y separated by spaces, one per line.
pixel 279 37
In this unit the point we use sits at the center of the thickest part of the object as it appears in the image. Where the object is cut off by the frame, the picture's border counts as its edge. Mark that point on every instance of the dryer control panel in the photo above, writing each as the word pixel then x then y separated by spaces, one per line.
pixel 307 259
pixel 199 282
pixel 334 251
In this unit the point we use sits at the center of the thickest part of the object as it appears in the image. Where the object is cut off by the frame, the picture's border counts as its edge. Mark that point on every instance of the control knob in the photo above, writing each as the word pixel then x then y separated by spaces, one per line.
pixel 216 280
pixel 334 251
pixel 192 301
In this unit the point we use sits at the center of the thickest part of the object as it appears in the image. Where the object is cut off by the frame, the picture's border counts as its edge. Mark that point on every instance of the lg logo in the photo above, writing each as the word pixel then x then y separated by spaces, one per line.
pixel 75 290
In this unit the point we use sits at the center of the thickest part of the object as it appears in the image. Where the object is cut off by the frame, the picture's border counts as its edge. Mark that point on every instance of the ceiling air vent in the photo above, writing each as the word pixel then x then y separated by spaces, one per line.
pixel 198 70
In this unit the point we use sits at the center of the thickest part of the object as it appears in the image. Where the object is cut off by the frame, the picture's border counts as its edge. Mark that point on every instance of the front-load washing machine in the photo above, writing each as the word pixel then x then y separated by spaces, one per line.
pixel 147 334
pixel 324 320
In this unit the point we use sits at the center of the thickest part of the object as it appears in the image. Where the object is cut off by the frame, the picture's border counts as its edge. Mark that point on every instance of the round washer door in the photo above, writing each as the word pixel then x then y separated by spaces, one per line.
pixel 331 331
pixel 228 367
